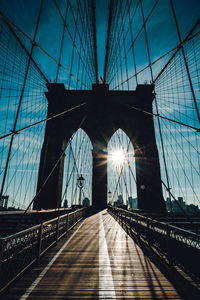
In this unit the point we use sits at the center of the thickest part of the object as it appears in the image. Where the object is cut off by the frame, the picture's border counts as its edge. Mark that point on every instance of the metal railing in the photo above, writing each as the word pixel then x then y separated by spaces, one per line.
pixel 20 250
pixel 181 247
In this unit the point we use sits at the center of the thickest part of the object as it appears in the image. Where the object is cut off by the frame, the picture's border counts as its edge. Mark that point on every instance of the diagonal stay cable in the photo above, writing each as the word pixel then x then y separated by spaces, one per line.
pixel 117 36
pixel 41 121
pixel 139 32
pixel 176 48
pixel 108 39
pixel 70 35
pixel 87 42
pixel 40 48
pixel 186 39
pixel 21 98
pixel 185 61
pixel 94 39
pixel 62 41
pixel 85 34
pixel 162 117
pixel 52 170
pixel 27 52
pixel 174 198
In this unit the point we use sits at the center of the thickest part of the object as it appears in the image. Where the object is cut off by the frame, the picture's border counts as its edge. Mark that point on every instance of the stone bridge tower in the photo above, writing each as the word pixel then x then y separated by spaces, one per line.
pixel 104 112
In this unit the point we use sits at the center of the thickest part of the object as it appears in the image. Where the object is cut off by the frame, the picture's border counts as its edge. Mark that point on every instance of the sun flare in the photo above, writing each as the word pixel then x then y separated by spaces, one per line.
pixel 117 157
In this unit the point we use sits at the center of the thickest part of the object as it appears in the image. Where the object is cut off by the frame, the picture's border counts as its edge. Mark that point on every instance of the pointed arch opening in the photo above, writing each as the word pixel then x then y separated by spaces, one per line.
pixel 121 171
pixel 78 163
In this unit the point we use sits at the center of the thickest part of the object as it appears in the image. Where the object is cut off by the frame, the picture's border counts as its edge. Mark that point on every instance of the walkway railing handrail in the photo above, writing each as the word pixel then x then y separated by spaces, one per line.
pixel 180 246
pixel 174 231
pixel 20 250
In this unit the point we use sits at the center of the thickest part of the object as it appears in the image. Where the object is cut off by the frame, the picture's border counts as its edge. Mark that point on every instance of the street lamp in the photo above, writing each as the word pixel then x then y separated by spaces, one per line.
pixel 109 197
pixel 80 184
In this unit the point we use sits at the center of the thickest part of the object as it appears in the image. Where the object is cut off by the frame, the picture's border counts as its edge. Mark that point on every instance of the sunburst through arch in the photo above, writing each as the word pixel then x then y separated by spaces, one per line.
pixel 121 171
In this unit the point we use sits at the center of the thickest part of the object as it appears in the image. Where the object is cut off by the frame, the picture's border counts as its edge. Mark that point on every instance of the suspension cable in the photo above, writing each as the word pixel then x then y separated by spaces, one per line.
pixel 40 48
pixel 13 132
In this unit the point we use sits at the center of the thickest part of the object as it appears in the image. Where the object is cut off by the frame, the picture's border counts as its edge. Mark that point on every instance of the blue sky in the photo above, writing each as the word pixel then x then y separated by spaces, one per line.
pixel 162 37
pixel 161 29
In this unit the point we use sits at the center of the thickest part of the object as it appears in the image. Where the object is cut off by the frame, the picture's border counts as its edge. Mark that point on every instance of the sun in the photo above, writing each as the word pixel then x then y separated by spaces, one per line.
pixel 117 157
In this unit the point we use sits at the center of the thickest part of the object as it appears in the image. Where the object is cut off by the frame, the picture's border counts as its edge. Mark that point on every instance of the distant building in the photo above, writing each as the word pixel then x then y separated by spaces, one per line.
pixel 192 209
pixel 179 207
pixel 86 202
pixel 168 205
pixel 4 202
pixel 65 205
pixel 119 201
pixel 132 203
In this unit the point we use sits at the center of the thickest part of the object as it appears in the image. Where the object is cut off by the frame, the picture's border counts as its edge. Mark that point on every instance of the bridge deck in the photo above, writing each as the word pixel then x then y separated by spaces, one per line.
pixel 98 261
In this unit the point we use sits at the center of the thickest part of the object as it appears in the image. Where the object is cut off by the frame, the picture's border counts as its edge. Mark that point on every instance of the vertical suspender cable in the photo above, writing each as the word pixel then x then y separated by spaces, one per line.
pixel 62 40
pixel 20 101
pixel 108 39
pixel 185 61
pixel 159 125
pixel 94 40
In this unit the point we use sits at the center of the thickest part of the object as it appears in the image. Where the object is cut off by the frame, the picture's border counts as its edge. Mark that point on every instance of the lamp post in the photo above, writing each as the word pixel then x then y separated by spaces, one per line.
pixel 109 197
pixel 80 184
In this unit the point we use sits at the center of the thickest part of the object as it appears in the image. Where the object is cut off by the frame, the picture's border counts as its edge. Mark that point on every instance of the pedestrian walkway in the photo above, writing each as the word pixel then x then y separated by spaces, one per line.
pixel 98 261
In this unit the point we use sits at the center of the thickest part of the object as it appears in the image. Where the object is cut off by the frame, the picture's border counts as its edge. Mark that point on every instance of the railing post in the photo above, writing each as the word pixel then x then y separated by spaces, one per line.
pixel 148 232
pixel 57 229
pixel 2 245
pixel 169 254
pixel 67 223
pixel 131 221
pixel 137 227
pixel 40 241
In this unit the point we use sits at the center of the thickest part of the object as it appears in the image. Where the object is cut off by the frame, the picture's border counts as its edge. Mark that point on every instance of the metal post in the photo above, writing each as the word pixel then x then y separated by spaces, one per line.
pixel 79 196
pixel 169 254
pixel 2 245
pixel 40 242
pixel 57 229
pixel 137 227
pixel 148 232
pixel 73 219
pixel 67 223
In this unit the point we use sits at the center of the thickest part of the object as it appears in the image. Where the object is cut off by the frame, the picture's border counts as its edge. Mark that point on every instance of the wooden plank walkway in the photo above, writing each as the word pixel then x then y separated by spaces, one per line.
pixel 98 261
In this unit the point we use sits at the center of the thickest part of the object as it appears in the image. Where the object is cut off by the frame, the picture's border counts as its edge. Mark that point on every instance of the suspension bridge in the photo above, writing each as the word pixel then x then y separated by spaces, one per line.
pixel 99 149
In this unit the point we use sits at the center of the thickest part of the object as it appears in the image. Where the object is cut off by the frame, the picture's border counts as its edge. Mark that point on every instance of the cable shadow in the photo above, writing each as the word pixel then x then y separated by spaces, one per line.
pixel 184 288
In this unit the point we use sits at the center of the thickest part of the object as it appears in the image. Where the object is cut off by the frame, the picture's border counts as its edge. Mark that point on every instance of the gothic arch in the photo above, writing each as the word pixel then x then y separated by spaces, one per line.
pixel 123 173
pixel 80 149
pixel 103 113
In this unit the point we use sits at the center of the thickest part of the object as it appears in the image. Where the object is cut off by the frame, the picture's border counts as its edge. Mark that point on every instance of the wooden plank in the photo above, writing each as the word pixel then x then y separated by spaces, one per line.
pixel 75 273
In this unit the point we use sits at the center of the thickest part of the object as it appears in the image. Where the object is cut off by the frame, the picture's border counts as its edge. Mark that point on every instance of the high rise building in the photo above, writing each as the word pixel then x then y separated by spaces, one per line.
pixel 132 203
pixel 4 202
pixel 65 205
pixel 120 199
pixel 86 202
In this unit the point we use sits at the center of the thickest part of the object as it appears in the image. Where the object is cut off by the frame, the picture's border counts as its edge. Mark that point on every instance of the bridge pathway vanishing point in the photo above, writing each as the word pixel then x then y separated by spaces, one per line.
pixel 98 261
